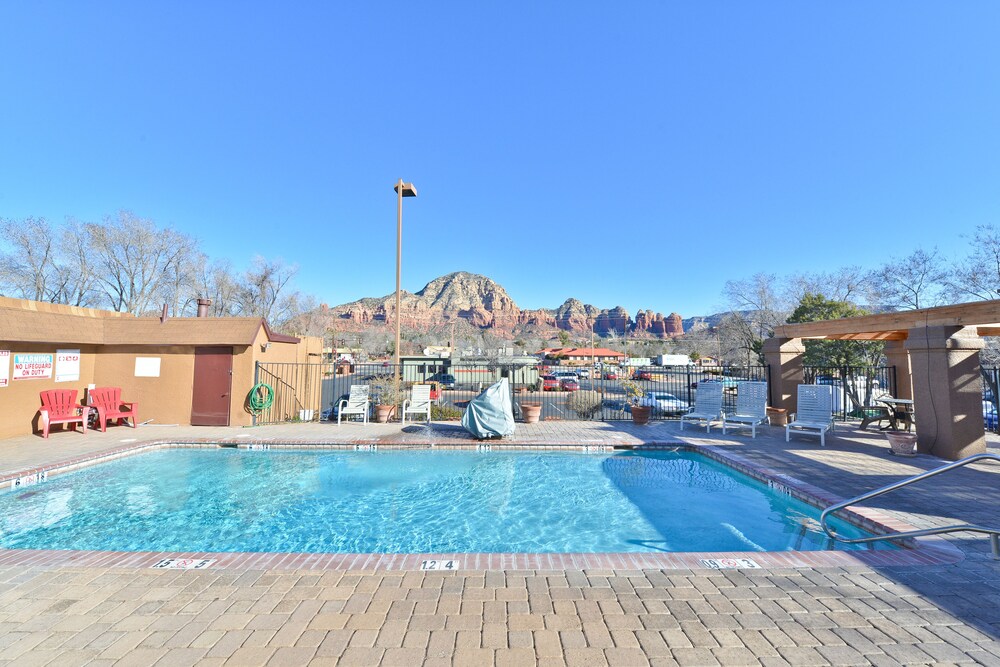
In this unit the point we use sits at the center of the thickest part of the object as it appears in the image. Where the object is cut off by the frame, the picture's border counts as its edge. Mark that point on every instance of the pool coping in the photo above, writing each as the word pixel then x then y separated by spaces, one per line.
pixel 933 550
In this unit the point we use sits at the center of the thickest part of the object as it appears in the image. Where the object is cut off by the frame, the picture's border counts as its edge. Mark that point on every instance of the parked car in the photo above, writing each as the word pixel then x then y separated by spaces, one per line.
pixel 550 383
pixel 446 380
pixel 663 403
pixel 584 373
pixel 642 375
pixel 610 375
pixel 569 384
pixel 990 418
pixel 566 375
pixel 728 383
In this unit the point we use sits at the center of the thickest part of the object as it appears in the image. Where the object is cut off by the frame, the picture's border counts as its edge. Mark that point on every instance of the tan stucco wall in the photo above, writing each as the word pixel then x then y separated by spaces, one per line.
pixel 19 401
pixel 165 399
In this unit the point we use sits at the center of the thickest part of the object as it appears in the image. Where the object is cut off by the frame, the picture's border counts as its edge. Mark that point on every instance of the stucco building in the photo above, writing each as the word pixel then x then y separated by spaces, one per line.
pixel 193 370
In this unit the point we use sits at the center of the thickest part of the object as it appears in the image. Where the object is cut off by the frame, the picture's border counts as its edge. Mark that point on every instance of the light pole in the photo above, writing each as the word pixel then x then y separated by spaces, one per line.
pixel 402 190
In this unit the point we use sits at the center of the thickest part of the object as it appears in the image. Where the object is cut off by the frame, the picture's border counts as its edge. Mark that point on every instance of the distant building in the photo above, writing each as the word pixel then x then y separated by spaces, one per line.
pixel 578 356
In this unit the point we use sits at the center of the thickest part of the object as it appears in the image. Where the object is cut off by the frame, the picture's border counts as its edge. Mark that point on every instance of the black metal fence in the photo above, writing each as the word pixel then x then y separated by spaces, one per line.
pixel 311 392
pixel 991 397
pixel 854 386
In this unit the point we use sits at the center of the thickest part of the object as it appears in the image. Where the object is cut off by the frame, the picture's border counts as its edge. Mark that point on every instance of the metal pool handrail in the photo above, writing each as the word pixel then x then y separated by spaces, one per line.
pixel 994 533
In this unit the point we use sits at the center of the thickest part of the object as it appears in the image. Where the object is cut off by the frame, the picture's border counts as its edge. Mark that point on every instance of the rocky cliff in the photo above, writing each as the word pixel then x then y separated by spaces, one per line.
pixel 480 302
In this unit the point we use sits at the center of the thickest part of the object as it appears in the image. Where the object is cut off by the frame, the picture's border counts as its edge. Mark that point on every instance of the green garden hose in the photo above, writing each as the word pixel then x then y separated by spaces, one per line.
pixel 261 397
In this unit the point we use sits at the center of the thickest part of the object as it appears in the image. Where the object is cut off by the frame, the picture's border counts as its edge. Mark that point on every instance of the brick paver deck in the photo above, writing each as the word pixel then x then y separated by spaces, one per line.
pixel 853 614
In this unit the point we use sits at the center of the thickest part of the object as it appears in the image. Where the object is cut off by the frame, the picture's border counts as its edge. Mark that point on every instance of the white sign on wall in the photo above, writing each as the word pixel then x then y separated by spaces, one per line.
pixel 32 366
pixel 147 367
pixel 67 365
pixel 4 368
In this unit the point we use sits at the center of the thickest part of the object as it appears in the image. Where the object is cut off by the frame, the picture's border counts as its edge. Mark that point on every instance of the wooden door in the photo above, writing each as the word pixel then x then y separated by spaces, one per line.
pixel 213 383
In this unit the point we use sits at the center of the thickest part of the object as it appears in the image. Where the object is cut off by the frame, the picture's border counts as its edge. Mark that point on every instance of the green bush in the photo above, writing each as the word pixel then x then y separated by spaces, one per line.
pixel 445 413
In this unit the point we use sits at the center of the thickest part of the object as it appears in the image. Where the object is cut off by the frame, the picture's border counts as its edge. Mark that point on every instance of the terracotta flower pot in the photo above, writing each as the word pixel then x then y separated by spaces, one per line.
pixel 777 416
pixel 383 413
pixel 640 414
pixel 902 444
pixel 531 412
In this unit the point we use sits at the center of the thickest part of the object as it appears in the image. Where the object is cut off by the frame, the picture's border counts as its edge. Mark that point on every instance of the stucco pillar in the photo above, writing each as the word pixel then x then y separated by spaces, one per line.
pixel 896 355
pixel 947 391
pixel 784 360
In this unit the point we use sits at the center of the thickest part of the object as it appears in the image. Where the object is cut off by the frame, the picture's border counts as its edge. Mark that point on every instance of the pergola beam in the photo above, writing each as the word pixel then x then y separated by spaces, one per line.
pixel 893 326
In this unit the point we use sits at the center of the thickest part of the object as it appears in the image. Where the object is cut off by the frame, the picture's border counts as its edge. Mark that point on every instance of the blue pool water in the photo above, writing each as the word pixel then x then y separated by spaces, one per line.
pixel 408 502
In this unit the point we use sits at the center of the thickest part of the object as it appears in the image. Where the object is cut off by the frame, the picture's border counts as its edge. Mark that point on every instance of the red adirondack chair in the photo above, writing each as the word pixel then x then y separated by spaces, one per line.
pixel 109 405
pixel 59 406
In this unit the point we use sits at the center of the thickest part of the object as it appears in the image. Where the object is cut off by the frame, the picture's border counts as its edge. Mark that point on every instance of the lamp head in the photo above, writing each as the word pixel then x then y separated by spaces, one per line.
pixel 408 189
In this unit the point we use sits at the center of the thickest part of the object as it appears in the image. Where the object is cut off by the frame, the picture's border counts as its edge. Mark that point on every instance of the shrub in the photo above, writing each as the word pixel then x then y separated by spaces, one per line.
pixel 445 413
pixel 585 404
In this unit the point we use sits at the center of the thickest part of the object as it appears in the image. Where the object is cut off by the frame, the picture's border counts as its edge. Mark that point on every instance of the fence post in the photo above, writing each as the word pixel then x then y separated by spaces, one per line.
pixel 687 382
pixel 256 381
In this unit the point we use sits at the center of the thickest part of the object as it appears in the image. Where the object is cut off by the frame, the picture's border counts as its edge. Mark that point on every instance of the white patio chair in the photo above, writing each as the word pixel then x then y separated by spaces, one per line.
pixel 707 405
pixel 815 411
pixel 356 403
pixel 419 402
pixel 751 407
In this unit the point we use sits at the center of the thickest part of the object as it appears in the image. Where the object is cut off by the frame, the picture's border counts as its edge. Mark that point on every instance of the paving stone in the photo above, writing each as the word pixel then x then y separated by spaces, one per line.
pixel 251 657
pixel 694 657
pixel 514 657
pixel 360 657
pixel 585 657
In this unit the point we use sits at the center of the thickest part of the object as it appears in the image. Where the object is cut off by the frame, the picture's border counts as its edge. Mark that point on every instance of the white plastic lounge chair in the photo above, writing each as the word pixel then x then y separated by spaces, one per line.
pixel 815 411
pixel 355 404
pixel 707 405
pixel 751 407
pixel 419 402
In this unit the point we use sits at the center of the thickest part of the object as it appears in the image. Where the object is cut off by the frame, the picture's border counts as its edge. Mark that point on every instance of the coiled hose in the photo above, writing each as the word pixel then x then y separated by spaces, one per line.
pixel 260 398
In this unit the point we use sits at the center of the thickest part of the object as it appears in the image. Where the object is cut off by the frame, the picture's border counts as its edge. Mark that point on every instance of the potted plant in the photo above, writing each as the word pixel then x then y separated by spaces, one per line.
pixel 382 389
pixel 633 394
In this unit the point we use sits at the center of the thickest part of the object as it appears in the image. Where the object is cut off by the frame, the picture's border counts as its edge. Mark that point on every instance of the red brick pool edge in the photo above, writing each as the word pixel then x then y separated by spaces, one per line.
pixel 920 552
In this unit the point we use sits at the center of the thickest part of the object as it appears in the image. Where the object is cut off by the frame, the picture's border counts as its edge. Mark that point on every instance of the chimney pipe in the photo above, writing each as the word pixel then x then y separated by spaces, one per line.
pixel 164 315
pixel 203 305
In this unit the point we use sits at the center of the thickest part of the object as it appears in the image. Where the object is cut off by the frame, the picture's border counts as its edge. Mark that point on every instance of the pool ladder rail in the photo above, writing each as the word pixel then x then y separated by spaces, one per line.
pixel 994 533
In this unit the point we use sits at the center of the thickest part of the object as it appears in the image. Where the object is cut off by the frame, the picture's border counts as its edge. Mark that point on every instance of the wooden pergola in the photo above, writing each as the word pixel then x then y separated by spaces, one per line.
pixel 936 355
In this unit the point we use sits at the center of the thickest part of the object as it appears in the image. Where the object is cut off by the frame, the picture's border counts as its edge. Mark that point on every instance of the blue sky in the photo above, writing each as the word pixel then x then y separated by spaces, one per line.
pixel 635 154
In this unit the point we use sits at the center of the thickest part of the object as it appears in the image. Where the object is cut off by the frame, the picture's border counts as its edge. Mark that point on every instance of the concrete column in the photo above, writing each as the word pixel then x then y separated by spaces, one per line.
pixel 947 391
pixel 784 359
pixel 896 355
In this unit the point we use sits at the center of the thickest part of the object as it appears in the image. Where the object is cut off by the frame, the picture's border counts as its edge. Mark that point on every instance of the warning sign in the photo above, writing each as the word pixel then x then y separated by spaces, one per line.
pixel 32 366
pixel 4 368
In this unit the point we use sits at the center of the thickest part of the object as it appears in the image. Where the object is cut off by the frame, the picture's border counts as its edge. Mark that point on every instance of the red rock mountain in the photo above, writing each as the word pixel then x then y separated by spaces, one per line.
pixel 480 302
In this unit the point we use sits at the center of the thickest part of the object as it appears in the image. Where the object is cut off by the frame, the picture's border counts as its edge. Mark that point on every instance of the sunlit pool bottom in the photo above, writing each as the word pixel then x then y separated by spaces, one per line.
pixel 498 509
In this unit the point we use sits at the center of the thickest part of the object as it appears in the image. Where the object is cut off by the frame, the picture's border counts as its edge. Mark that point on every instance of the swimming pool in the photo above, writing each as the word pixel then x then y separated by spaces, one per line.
pixel 409 501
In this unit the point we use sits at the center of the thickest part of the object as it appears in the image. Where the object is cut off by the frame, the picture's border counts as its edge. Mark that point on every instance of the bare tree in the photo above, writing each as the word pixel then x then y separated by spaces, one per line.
pixel 978 275
pixel 262 290
pixel 218 282
pixel 137 263
pixel 75 279
pixel 756 307
pixel 844 284
pixel 28 270
pixel 911 282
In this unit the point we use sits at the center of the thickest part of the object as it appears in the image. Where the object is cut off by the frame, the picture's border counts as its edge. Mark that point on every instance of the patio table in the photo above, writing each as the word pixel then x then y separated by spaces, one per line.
pixel 900 410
